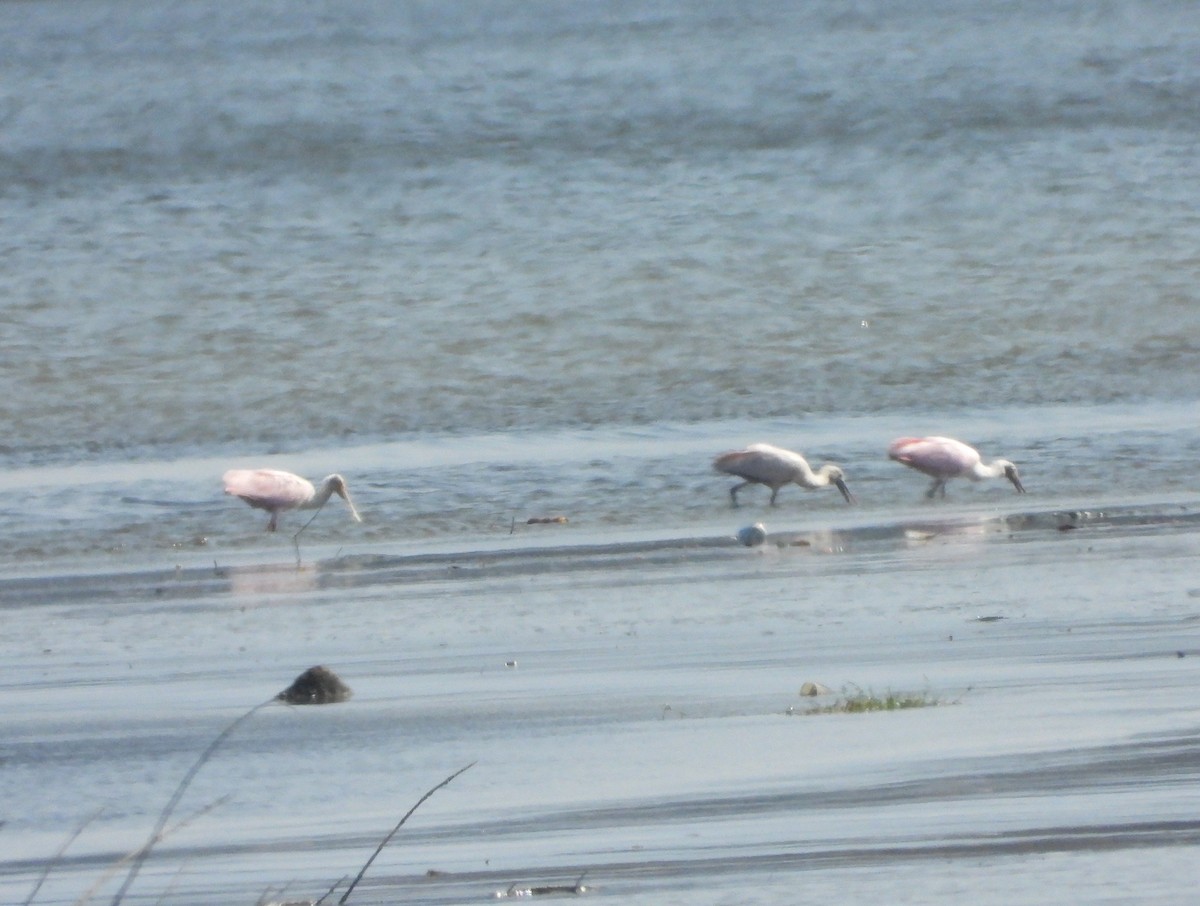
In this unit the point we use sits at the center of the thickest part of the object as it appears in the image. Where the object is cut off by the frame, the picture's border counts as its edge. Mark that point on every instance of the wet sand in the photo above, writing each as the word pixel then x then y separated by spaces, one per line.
pixel 633 710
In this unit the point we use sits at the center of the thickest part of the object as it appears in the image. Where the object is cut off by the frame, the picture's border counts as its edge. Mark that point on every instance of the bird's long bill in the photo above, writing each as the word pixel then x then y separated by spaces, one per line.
pixel 1011 475
pixel 841 486
pixel 345 495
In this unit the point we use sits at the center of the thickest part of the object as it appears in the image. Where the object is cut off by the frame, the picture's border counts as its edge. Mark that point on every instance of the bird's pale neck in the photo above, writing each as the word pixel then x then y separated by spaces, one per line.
pixel 823 476
pixel 334 484
pixel 993 469
pixel 331 484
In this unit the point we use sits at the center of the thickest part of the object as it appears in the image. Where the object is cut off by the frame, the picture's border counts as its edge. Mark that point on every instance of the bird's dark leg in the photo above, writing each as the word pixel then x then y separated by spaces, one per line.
pixel 774 491
pixel 271 524
pixel 933 488
pixel 733 491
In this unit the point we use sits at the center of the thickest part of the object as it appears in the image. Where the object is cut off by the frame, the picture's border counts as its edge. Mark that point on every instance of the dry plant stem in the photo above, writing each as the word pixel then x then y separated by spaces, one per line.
pixel 162 898
pixel 386 839
pixel 112 869
pixel 262 900
pixel 326 894
pixel 142 853
pixel 58 855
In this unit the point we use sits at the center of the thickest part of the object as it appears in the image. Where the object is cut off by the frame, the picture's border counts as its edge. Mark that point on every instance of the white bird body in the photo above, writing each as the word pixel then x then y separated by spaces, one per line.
pixel 775 467
pixel 944 458
pixel 276 491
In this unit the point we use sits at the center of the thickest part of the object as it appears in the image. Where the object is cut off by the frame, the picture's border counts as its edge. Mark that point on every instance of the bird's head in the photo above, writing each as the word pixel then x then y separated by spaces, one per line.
pixel 337 485
pixel 837 478
pixel 1010 472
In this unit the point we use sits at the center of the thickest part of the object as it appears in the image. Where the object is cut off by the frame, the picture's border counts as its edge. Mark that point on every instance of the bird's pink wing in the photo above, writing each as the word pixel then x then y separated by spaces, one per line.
pixel 268 488
pixel 933 455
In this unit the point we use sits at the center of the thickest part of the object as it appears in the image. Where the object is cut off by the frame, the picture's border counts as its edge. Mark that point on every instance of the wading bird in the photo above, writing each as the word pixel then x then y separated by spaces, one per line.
pixel 775 467
pixel 276 491
pixel 943 458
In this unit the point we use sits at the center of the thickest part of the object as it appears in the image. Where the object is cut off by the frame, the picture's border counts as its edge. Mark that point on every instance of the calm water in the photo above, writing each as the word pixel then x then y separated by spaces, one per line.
pixel 494 261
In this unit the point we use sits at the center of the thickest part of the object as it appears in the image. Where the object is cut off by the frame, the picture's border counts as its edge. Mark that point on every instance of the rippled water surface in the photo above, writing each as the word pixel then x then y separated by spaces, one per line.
pixel 276 225
pixel 518 261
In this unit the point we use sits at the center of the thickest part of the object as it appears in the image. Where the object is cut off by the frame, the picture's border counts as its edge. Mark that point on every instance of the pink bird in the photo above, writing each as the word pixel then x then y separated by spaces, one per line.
pixel 277 492
pixel 943 458
pixel 775 467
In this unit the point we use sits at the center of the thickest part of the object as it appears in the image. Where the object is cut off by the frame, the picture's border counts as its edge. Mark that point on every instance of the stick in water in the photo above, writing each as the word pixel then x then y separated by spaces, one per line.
pixel 408 814
pixel 58 855
pixel 325 896
pixel 115 867
pixel 174 801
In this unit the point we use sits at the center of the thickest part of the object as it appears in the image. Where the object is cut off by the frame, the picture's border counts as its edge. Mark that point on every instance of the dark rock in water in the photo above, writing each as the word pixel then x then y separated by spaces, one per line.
pixel 315 686
pixel 752 535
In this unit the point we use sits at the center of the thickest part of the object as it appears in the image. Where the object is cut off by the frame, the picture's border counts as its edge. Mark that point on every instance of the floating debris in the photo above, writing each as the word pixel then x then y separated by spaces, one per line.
pixel 814 689
pixel 752 535
pixel 1067 527
pixel 860 702
pixel 315 686
pixel 547 520
pixel 194 541
pixel 989 619
pixel 546 890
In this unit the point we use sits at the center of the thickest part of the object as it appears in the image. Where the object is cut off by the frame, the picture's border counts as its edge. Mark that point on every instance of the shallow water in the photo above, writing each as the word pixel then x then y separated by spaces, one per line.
pixel 633 713
pixel 539 259
pixel 447 493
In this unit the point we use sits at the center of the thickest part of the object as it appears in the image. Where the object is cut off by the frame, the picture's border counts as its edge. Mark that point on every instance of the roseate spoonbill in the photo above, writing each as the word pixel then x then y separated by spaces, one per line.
pixel 943 458
pixel 276 491
pixel 775 467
